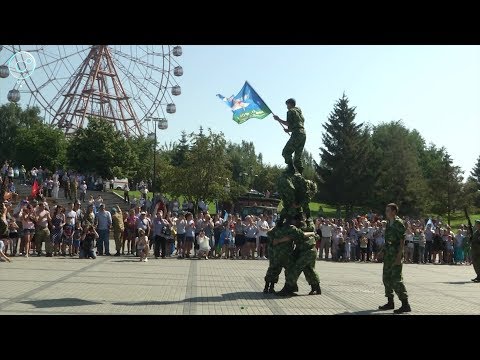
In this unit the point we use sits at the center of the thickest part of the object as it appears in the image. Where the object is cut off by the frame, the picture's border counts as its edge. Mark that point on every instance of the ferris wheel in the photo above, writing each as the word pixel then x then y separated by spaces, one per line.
pixel 124 84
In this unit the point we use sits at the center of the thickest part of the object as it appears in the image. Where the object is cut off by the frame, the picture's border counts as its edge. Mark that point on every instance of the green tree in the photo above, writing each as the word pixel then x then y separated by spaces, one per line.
pixel 40 145
pixel 180 150
pixel 342 166
pixel 475 173
pixel 399 176
pixel 12 119
pixel 203 176
pixel 102 150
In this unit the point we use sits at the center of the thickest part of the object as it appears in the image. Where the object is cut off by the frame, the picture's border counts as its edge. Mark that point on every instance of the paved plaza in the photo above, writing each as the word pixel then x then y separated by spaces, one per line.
pixel 123 285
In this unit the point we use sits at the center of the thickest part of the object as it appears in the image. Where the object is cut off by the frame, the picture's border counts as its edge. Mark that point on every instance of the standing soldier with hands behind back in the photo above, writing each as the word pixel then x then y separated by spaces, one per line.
pixel 392 261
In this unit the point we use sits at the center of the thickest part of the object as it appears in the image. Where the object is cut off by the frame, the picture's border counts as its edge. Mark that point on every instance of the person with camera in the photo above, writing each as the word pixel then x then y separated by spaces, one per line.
pixel 87 243
pixel 162 230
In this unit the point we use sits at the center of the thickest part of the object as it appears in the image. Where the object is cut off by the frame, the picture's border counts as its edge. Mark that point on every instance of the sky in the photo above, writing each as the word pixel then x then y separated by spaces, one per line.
pixel 434 89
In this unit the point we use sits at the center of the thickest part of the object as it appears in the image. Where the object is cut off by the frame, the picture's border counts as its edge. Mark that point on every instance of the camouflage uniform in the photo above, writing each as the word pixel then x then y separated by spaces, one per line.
pixel 118 228
pixel 304 257
pixel 279 256
pixel 304 191
pixel 286 189
pixel 475 251
pixel 392 274
pixel 297 139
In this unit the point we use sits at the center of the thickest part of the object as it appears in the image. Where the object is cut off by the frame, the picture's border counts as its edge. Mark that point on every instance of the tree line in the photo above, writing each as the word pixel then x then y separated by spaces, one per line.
pixel 370 166
pixel 360 165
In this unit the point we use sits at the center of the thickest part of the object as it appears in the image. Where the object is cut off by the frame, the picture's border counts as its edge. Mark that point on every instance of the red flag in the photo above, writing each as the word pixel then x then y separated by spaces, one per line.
pixel 35 189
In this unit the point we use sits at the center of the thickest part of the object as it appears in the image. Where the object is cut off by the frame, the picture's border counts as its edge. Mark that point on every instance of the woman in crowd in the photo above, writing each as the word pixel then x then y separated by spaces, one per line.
pixel 27 217
pixel 58 221
pixel 437 247
pixel 3 232
pixel 189 234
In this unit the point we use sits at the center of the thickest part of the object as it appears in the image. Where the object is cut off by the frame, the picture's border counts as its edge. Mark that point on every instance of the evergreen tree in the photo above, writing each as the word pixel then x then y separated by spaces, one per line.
pixel 475 173
pixel 342 165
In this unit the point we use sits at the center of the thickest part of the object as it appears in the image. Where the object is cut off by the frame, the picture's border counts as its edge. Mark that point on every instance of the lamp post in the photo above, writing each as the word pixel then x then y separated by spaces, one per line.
pixel 162 124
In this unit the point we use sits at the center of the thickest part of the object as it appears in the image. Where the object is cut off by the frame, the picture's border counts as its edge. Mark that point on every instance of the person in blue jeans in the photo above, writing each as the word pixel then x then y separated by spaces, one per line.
pixel 103 222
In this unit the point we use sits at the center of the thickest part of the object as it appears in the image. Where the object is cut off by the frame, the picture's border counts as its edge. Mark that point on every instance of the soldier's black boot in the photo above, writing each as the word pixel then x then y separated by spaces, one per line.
pixel 267 286
pixel 315 290
pixel 286 291
pixel 388 306
pixel 404 308
pixel 271 289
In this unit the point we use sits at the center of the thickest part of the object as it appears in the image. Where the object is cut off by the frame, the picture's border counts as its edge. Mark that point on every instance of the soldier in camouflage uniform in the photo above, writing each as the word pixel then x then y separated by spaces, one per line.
pixel 279 257
pixel 303 260
pixel 288 195
pixel 304 192
pixel 392 261
pixel 475 250
pixel 297 139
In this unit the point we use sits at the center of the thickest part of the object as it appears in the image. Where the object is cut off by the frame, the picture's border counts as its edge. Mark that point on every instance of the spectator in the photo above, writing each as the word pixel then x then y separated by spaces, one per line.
pixel 458 244
pixel 42 234
pixel 83 191
pixel 363 248
pixel 181 223
pixel 409 245
pixel 118 228
pixel 58 222
pixel 12 234
pixel 131 231
pixel 103 222
pixel 126 194
pixel 437 248
pixel 77 236
pixel 421 247
pixel 203 245
pixel 141 243
pixel 87 243
pixel 326 230
pixel 263 239
pixel 27 217
pixel 159 235
pixel 428 243
pixel 23 175
pixel 251 231
pixel 189 234
pixel 3 232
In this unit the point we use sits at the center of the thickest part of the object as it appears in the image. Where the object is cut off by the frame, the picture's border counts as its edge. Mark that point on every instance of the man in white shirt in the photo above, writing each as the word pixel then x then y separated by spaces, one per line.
pixel 262 237
pixel 326 229
pixel 70 215
pixel 83 191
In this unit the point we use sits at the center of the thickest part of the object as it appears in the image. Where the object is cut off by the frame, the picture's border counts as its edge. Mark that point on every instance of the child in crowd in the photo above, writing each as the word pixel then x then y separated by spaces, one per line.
pixel 141 242
pixel 341 248
pixel 77 235
pixel 68 240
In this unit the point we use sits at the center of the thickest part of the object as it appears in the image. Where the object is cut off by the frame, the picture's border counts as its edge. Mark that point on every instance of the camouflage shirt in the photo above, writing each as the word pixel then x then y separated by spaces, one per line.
pixel 394 234
pixel 295 119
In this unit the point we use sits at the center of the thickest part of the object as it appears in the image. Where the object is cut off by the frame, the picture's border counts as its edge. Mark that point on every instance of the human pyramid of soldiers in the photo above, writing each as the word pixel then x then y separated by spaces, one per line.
pixel 291 244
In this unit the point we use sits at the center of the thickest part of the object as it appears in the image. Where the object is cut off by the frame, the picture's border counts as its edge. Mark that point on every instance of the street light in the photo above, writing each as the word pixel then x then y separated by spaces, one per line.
pixel 162 124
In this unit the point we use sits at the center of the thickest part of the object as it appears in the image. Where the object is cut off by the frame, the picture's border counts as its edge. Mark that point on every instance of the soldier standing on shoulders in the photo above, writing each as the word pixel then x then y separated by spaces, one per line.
pixel 475 250
pixel 296 143
pixel 392 261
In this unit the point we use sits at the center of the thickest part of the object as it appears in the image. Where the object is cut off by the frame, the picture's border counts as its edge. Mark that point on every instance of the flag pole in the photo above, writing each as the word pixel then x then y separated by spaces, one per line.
pixel 265 103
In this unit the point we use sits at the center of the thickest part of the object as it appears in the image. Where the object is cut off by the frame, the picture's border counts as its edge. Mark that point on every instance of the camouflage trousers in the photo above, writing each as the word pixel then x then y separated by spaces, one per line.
pixel 295 145
pixel 279 256
pixel 303 261
pixel 475 253
pixel 392 278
